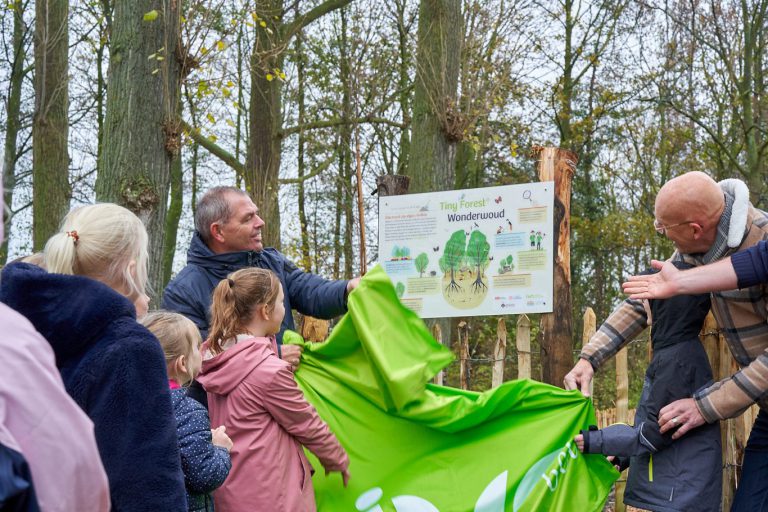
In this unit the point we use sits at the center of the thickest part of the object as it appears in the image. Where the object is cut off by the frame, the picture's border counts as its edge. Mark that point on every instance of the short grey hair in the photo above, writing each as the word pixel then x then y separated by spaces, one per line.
pixel 213 207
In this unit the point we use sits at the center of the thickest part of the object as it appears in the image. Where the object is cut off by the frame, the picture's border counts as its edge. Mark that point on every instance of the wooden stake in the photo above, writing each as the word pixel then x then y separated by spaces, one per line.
pixel 622 415
pixel 590 323
pixel 523 342
pixel 360 209
pixel 463 354
pixel 558 165
pixel 314 329
pixel 437 333
pixel 499 354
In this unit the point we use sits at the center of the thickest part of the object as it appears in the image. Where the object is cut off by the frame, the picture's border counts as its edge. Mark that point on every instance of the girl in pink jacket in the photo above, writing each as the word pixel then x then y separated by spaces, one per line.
pixel 252 392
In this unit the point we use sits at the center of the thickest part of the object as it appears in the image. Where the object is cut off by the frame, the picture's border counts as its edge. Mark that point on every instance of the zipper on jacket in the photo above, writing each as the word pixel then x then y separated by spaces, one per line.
pixel 650 469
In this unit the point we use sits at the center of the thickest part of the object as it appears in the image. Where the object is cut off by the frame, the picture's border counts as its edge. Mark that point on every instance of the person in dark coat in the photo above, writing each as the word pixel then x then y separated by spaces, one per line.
pixel 668 475
pixel 228 238
pixel 111 366
pixel 204 452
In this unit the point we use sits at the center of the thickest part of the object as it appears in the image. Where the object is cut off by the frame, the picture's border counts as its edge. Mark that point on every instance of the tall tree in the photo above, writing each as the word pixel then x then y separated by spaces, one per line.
pixel 142 132
pixel 273 35
pixel 434 137
pixel 50 127
pixel 13 112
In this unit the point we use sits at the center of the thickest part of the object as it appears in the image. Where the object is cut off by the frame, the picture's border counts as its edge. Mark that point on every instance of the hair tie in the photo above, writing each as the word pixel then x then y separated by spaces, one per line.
pixel 75 237
pixel 231 283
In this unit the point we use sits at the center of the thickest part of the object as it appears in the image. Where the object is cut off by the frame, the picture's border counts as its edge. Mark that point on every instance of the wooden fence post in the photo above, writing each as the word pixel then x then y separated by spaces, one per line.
pixel 523 342
pixel 622 416
pixel 727 432
pixel 558 165
pixel 437 333
pixel 499 354
pixel 590 323
pixel 464 367
pixel 314 329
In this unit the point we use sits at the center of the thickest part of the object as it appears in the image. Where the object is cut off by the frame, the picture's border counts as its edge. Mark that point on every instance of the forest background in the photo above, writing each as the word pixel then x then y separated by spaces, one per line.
pixel 150 102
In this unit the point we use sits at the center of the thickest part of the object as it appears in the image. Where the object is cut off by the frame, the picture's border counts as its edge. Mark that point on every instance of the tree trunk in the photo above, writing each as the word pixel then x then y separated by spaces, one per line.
pixel 174 214
pixel 105 29
pixel 13 121
pixel 306 261
pixel 346 147
pixel 142 131
pixel 433 145
pixel 404 80
pixel 558 165
pixel 262 167
pixel 50 127
pixel 431 163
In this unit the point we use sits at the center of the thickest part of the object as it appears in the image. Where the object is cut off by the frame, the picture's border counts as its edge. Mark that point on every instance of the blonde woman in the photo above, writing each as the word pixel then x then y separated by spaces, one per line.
pixel 112 367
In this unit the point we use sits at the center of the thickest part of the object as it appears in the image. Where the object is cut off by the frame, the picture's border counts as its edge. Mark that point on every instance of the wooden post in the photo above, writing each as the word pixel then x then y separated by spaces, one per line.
pixel 727 432
pixel 437 333
pixel 314 329
pixel 558 165
pixel 464 367
pixel 622 416
pixel 710 340
pixel 590 326
pixel 523 342
pixel 360 210
pixel 499 354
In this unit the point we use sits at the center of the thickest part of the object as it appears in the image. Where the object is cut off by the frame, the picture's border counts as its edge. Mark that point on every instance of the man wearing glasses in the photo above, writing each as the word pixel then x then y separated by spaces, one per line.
pixel 707 221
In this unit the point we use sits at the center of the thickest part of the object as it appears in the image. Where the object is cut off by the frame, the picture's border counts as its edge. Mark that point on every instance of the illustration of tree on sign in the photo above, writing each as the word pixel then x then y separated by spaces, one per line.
pixel 421 263
pixel 506 265
pixel 477 255
pixel 399 289
pixel 400 253
pixel 453 255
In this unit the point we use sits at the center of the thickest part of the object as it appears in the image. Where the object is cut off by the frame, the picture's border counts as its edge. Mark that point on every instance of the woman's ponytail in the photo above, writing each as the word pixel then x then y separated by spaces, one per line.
pixel 61 253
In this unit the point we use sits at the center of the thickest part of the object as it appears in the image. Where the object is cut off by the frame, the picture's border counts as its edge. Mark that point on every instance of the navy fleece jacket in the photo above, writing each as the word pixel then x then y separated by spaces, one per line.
pixel 114 369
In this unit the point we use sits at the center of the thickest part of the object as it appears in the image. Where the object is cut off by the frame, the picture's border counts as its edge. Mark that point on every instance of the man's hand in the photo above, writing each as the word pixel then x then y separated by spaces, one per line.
pixel 291 354
pixel 579 439
pixel 352 284
pixel 681 414
pixel 580 377
pixel 660 285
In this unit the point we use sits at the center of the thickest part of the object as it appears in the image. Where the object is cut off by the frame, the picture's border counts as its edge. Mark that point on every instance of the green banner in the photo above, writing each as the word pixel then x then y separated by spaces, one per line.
pixel 417 447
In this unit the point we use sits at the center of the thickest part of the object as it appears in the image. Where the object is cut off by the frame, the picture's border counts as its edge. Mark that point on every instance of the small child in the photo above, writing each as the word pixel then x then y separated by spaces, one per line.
pixel 664 475
pixel 253 393
pixel 204 452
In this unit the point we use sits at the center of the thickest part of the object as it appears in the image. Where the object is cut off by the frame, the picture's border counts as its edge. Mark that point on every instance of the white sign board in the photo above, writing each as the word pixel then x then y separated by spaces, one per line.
pixel 483 251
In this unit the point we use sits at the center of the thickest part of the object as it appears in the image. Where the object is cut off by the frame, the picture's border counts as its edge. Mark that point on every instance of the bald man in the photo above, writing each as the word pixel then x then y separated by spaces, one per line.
pixel 706 221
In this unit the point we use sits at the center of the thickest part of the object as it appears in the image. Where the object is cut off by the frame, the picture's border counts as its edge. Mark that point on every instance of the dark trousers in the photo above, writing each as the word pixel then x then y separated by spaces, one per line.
pixel 752 493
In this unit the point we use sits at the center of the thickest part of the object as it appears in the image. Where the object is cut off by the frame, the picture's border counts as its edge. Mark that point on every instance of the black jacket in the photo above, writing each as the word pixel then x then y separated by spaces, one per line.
pixel 664 475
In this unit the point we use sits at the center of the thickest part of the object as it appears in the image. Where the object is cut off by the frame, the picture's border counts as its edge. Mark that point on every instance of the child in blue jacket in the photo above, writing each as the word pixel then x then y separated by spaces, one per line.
pixel 205 457
pixel 667 475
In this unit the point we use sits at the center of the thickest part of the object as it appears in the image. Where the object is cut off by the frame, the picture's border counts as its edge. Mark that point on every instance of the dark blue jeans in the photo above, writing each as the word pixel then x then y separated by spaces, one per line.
pixel 752 493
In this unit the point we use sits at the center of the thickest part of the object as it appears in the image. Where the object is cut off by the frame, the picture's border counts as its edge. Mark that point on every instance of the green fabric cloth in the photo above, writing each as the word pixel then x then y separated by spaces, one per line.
pixel 417 447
